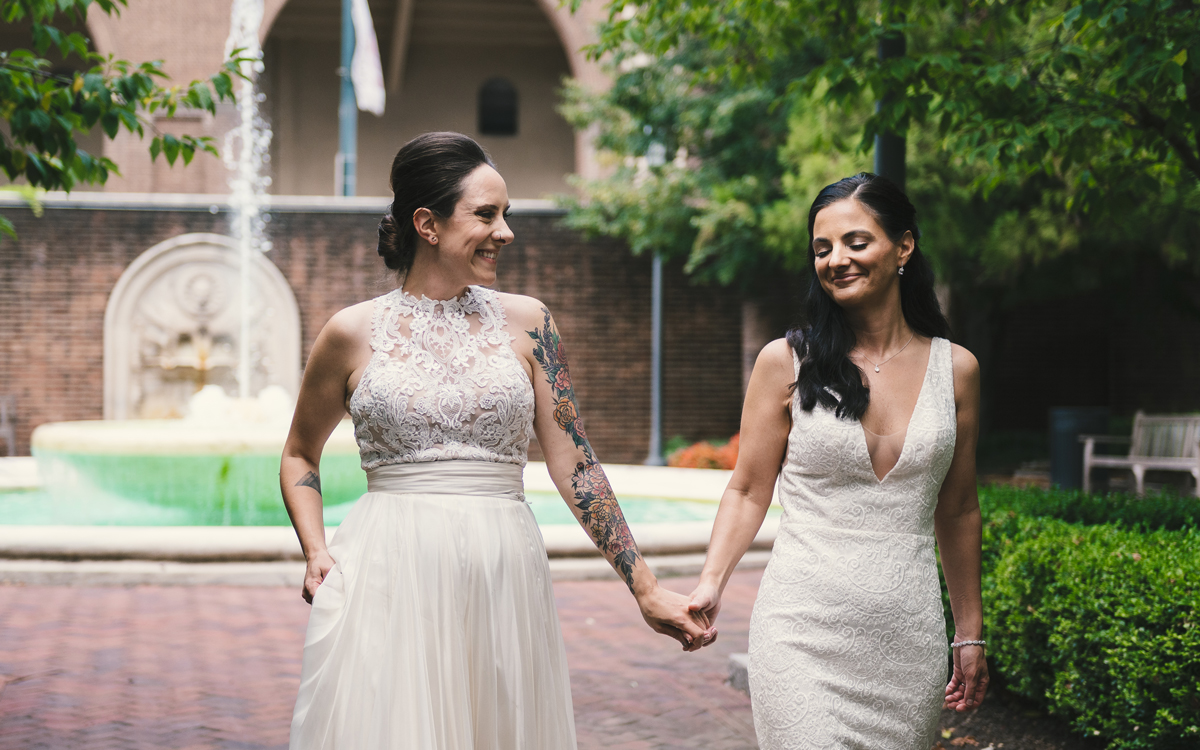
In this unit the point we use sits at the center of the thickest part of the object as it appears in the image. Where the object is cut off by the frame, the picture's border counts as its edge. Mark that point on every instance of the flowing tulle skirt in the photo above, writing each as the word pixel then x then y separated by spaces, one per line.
pixel 436 629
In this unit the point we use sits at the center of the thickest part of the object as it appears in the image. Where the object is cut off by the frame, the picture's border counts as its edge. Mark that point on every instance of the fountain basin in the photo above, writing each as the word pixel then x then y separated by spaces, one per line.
pixel 179 471
pixel 158 473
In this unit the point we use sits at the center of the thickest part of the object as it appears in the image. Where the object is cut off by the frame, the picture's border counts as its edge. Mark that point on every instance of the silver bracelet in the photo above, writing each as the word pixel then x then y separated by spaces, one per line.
pixel 960 644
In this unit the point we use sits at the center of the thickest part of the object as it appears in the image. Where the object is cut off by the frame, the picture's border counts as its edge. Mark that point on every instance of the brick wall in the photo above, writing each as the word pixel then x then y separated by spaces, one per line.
pixel 56 278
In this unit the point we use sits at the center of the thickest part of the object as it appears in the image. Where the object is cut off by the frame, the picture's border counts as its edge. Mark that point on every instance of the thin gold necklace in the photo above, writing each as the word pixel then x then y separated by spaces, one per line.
pixel 889 359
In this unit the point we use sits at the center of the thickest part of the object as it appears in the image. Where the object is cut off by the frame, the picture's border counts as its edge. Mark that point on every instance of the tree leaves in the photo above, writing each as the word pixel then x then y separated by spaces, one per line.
pixel 1018 83
pixel 46 111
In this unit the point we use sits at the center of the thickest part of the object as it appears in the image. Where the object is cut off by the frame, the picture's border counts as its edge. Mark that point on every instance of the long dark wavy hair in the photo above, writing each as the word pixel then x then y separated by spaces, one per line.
pixel 827 374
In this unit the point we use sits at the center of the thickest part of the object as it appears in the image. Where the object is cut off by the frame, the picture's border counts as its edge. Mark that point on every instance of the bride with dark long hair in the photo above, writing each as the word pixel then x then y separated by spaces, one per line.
pixel 868 416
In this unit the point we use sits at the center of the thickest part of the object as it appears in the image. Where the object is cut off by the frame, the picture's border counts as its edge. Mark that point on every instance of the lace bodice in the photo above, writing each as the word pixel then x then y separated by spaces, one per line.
pixel 443 383
pixel 829 479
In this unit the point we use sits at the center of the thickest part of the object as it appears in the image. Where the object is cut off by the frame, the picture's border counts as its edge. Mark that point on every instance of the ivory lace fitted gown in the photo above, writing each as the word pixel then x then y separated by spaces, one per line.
pixel 847 639
pixel 436 629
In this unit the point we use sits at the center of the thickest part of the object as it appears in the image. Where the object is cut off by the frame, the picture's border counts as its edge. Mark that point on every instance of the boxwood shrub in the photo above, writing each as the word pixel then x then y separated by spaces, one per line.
pixel 1165 511
pixel 1092 610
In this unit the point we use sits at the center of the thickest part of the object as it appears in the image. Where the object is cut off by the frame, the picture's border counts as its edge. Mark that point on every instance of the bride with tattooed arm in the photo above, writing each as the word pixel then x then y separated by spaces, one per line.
pixel 433 624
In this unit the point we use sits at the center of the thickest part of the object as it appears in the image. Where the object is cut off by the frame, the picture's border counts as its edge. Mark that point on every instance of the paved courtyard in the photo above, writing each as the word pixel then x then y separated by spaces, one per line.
pixel 217 667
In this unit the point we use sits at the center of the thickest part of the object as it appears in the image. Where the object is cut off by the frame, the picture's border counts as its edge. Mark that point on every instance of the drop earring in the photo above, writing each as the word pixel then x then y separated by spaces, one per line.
pixel 901 270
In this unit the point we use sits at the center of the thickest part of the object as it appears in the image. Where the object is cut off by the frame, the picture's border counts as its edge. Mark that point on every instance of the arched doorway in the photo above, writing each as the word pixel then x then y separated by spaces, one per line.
pixel 453 48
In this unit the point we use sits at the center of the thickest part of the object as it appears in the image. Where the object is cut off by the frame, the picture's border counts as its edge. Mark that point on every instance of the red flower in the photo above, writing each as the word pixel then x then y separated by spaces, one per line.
pixel 562 380
pixel 621 541
pixel 705 455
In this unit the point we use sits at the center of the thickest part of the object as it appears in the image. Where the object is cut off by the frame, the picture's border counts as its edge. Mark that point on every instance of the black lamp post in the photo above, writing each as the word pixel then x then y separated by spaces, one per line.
pixel 889 147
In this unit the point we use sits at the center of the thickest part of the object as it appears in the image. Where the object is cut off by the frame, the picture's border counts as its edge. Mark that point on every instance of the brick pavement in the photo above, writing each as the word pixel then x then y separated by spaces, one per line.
pixel 217 668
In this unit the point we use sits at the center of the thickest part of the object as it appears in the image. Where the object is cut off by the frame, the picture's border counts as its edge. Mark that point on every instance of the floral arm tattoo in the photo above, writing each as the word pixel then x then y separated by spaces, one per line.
pixel 601 514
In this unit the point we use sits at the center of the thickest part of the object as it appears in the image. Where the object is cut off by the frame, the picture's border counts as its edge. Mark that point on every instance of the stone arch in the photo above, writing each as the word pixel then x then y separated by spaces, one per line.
pixel 171 326
pixel 531 42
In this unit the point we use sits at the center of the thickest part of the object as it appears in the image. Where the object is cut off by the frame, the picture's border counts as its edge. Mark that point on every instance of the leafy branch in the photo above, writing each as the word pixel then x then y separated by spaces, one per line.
pixel 47 110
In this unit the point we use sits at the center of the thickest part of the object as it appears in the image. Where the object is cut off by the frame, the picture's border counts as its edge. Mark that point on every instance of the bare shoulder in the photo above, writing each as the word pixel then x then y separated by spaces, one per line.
pixel 775 365
pixel 350 327
pixel 965 364
pixel 776 355
pixel 966 375
pixel 523 312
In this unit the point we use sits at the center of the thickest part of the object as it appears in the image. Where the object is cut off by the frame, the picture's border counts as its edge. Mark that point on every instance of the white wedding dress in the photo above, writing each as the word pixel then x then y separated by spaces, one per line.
pixel 436 629
pixel 847 639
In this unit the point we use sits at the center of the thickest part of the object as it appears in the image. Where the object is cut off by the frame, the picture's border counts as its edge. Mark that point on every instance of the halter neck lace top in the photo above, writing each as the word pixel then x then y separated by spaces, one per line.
pixel 443 383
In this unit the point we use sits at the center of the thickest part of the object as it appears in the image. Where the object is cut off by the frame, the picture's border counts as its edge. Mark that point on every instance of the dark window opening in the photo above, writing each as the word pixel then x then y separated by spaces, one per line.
pixel 498 108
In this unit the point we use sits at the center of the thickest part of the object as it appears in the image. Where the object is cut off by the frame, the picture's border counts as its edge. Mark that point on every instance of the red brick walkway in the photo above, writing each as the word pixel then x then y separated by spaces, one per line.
pixel 189 668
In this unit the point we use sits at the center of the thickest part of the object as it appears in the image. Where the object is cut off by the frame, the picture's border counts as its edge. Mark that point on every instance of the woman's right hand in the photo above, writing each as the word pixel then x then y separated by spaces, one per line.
pixel 319 565
pixel 667 612
pixel 706 600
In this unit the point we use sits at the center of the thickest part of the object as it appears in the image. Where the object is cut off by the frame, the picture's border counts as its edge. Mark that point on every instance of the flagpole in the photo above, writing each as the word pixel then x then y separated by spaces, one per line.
pixel 345 163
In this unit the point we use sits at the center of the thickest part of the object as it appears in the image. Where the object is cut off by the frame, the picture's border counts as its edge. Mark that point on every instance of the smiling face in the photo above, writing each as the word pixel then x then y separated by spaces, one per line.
pixel 856 263
pixel 470 240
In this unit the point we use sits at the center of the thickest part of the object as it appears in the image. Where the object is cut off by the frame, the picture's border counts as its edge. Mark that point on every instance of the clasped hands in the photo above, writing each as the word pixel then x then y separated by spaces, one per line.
pixel 680 617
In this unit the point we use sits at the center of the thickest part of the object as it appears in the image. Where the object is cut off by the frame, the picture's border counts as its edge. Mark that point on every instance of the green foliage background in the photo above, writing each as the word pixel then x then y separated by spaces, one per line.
pixel 1053 145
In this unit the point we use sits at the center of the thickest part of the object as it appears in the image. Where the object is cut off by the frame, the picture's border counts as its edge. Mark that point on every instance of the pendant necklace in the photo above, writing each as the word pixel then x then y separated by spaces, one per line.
pixel 889 359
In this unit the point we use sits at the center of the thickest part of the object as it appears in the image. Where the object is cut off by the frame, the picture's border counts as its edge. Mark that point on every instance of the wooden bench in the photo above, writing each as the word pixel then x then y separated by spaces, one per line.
pixel 1158 442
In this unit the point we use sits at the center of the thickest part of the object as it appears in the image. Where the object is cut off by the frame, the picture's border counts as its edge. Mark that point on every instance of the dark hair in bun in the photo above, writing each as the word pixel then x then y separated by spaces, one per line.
pixel 428 172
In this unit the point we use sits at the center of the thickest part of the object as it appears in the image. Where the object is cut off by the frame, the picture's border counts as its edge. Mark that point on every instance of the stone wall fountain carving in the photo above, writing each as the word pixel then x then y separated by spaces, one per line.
pixel 207 310
pixel 174 325
pixel 202 327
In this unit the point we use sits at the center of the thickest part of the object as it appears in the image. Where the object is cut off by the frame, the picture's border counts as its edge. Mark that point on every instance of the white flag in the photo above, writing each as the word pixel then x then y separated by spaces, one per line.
pixel 366 71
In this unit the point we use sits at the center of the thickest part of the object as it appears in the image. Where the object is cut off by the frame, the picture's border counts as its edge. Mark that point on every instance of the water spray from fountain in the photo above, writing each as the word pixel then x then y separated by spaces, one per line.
pixel 246 155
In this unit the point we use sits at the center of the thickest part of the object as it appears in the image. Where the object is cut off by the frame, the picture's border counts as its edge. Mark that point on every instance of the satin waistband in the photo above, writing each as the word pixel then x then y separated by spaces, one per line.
pixel 456 477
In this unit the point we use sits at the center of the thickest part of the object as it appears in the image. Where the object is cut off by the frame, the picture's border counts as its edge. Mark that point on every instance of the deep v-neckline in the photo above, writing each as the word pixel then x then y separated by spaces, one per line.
pixel 862 430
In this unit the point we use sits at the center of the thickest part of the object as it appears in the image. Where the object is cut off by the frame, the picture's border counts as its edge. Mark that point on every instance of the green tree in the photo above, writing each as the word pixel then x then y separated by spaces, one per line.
pixel 1050 143
pixel 47 110
pixel 1104 94
pixel 704 195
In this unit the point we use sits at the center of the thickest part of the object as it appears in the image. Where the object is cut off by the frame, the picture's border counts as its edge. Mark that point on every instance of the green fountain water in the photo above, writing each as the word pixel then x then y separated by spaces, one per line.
pixel 220 466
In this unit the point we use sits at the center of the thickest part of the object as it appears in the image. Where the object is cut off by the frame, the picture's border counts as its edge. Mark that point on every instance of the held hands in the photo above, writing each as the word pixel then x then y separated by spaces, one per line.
pixel 667 613
pixel 706 600
pixel 969 682
pixel 318 567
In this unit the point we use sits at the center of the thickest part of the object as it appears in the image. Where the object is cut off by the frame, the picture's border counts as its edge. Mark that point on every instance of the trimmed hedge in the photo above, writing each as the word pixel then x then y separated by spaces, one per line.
pixel 1170 512
pixel 1092 610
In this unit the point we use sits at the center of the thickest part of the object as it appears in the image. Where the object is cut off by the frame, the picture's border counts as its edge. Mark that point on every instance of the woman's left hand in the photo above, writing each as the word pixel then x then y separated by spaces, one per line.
pixel 969 682
pixel 667 613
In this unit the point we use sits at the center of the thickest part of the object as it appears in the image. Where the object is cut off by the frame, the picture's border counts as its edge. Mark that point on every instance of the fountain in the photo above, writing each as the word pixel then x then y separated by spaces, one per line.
pixel 202 354
pixel 247 151
pixel 198 400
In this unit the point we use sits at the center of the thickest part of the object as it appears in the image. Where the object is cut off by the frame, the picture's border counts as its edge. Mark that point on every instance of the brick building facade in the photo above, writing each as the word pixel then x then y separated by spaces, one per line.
pixel 55 281
pixel 56 278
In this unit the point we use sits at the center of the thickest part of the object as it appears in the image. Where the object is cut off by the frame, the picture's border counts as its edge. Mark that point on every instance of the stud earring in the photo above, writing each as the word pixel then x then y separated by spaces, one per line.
pixel 433 241
pixel 901 270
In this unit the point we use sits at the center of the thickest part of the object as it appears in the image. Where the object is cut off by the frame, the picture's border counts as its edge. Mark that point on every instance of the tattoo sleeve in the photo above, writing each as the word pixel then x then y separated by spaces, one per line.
pixel 600 513
pixel 310 480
